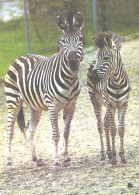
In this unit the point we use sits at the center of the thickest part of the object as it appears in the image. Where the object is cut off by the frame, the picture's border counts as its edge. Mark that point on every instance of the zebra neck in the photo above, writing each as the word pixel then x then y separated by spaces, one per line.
pixel 58 71
pixel 117 76
pixel 67 74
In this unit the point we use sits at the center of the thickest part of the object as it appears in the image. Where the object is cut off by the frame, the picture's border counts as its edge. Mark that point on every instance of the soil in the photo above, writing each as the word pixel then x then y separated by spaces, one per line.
pixel 87 175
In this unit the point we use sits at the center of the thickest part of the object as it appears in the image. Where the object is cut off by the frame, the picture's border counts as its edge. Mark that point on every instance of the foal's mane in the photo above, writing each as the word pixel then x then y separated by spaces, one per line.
pixel 117 40
pixel 101 40
pixel 105 39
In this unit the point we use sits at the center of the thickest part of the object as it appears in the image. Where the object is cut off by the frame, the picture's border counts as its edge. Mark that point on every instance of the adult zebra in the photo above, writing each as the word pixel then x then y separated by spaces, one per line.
pixel 108 84
pixel 46 83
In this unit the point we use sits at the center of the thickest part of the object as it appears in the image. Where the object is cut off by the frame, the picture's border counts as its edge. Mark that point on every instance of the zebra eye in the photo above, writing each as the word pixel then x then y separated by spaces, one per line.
pixel 59 42
pixel 63 40
pixel 81 39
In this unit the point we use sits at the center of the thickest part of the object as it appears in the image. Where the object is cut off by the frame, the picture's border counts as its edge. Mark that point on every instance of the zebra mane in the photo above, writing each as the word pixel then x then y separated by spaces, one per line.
pixel 101 40
pixel 70 18
pixel 74 18
pixel 117 40
pixel 105 39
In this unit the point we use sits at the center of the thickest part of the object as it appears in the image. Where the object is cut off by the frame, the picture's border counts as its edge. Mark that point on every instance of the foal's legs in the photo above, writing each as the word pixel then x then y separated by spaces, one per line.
pixel 121 129
pixel 98 113
pixel 111 113
pixel 107 129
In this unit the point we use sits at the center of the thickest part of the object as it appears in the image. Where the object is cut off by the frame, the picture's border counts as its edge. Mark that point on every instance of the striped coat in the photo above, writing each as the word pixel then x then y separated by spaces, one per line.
pixel 46 83
pixel 108 85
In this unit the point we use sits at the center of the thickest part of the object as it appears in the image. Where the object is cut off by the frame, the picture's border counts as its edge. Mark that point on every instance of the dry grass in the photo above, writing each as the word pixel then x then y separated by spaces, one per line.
pixel 87 176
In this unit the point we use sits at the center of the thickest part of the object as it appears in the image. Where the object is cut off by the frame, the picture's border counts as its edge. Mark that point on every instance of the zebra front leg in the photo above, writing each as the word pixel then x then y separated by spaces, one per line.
pixel 53 115
pixel 107 129
pixel 67 117
pixel 98 113
pixel 121 129
pixel 33 122
pixel 111 113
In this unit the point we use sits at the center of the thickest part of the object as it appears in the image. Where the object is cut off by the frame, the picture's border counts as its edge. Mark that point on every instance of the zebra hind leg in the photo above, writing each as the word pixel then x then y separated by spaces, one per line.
pixel 107 129
pixel 13 105
pixel 67 117
pixel 33 122
pixel 121 129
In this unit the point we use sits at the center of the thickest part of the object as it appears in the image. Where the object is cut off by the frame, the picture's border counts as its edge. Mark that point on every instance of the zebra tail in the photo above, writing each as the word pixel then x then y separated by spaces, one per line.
pixel 21 120
pixel 117 40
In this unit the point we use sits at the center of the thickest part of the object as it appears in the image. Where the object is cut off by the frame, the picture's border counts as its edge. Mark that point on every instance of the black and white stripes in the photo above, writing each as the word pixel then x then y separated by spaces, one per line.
pixel 108 84
pixel 46 84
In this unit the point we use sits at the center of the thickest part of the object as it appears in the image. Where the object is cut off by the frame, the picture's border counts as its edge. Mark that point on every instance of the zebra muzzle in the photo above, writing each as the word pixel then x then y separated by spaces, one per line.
pixel 74 64
pixel 94 76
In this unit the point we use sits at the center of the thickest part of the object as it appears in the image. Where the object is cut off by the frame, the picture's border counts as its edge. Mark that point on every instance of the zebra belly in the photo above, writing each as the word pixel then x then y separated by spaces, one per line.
pixel 36 99
pixel 33 98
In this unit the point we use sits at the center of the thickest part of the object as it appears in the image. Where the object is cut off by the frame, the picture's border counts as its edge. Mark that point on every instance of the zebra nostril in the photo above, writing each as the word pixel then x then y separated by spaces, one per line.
pixel 73 61
pixel 74 64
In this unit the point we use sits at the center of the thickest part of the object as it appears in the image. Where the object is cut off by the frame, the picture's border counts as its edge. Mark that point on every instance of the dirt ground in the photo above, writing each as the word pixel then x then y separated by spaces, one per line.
pixel 86 176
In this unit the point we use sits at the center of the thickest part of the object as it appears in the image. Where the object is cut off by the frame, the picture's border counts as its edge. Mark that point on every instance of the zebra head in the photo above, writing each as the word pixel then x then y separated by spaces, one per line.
pixel 71 42
pixel 106 57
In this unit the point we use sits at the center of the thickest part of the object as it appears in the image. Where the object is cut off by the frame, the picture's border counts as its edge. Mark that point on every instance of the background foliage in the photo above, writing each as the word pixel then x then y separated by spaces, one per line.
pixel 120 16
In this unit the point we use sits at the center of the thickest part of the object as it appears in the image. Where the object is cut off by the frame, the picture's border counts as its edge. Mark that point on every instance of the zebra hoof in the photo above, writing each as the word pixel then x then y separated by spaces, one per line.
pixel 8 167
pixel 110 158
pixel 123 162
pixel 34 159
pixel 67 162
pixel 56 167
pixel 109 155
pixel 40 162
pixel 114 163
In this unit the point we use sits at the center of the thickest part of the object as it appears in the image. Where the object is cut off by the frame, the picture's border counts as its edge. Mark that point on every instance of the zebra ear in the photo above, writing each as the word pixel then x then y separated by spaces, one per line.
pixel 61 23
pixel 108 40
pixel 78 20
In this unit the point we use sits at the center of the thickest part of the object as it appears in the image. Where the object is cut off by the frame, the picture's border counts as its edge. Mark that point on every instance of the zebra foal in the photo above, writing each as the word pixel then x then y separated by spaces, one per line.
pixel 108 85
pixel 46 83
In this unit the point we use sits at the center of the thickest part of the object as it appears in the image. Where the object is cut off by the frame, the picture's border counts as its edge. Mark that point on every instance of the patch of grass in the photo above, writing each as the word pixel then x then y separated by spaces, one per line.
pixel 13 41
